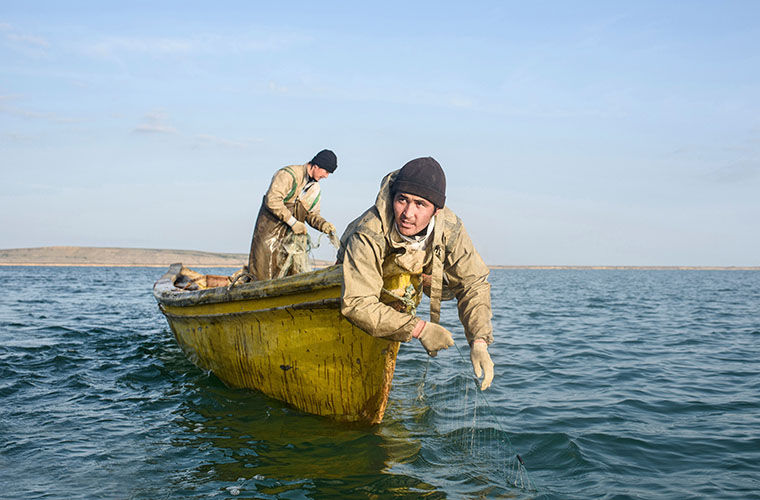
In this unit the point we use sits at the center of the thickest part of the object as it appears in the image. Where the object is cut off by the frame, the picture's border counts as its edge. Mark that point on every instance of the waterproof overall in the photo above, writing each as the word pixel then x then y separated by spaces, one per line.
pixel 290 194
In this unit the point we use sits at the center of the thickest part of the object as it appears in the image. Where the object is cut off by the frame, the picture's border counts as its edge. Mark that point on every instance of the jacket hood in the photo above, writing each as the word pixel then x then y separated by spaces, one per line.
pixel 384 203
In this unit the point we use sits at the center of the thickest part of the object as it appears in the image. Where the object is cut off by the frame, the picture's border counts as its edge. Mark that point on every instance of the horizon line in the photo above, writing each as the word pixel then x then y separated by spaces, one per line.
pixel 106 262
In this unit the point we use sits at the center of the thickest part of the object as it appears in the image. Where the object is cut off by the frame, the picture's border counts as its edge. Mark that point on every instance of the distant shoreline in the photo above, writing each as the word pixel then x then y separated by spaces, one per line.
pixel 640 268
pixel 29 264
pixel 69 256
pixel 495 268
pixel 65 256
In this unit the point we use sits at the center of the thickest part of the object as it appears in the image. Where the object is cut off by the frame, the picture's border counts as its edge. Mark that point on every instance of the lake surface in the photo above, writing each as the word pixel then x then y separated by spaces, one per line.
pixel 610 384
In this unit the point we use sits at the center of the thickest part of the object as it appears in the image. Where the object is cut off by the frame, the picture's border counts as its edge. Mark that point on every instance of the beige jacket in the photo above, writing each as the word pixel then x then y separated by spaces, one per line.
pixel 285 198
pixel 370 252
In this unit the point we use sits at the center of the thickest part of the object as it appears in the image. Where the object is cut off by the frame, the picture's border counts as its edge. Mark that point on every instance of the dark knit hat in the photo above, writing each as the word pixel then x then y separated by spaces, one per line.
pixel 422 177
pixel 326 159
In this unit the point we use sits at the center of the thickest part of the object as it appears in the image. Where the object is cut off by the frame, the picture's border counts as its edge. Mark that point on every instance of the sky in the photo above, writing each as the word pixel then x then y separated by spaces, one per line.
pixel 571 133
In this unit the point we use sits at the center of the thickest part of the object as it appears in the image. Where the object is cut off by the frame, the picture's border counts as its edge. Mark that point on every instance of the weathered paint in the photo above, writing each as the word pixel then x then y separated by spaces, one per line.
pixel 237 306
pixel 296 347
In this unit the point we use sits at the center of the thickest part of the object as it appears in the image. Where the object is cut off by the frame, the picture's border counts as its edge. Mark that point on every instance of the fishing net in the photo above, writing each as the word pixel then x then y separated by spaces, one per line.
pixel 472 432
pixel 298 247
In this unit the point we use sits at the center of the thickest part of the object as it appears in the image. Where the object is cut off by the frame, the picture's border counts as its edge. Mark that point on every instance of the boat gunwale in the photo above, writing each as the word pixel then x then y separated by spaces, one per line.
pixel 316 304
pixel 167 294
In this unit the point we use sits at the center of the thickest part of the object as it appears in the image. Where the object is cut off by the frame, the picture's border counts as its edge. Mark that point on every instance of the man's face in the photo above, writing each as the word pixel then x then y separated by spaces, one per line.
pixel 412 213
pixel 318 173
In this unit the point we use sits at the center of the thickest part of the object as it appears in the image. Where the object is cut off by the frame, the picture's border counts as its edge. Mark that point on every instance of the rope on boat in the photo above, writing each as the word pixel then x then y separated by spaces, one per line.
pixel 243 273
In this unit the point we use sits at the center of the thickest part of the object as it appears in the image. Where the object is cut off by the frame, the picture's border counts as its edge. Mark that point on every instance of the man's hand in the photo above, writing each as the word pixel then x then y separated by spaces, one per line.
pixel 434 338
pixel 328 228
pixel 481 363
pixel 299 227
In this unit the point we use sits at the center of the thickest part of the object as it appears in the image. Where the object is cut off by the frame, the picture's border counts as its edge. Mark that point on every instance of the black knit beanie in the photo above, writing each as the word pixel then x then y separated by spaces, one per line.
pixel 422 177
pixel 326 159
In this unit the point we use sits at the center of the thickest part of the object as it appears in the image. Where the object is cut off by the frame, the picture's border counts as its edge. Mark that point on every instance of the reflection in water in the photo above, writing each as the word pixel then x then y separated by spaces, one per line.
pixel 259 444
pixel 239 442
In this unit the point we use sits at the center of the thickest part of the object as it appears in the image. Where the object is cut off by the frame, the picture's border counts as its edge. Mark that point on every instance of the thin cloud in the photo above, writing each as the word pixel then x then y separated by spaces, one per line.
pixel 22 41
pixel 35 41
pixel 277 88
pixel 462 102
pixel 155 122
pixel 735 173
pixel 372 91
pixel 19 138
pixel 39 115
pixel 114 47
pixel 159 46
pixel 734 163
pixel 151 128
pixel 7 107
pixel 205 139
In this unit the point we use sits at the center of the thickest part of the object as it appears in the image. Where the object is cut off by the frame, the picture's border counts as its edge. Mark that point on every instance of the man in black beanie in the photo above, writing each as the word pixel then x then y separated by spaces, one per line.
pixel 293 198
pixel 410 232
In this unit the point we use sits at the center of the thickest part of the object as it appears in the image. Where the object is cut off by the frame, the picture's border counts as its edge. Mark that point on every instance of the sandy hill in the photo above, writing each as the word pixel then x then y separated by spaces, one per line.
pixel 97 256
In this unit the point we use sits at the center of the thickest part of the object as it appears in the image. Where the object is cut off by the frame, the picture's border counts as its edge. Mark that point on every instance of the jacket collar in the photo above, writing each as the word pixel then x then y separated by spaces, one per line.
pixel 384 204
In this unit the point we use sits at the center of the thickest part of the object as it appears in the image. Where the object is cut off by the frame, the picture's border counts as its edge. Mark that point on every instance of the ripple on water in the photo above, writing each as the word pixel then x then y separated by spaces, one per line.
pixel 608 384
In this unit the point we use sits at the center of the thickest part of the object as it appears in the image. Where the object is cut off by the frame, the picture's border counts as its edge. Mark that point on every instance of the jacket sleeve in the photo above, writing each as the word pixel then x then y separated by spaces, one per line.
pixel 282 184
pixel 362 285
pixel 468 279
pixel 315 219
pixel 311 204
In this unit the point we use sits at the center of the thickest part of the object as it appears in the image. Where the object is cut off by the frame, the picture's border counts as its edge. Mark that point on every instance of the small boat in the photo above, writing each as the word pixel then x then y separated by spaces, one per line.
pixel 286 338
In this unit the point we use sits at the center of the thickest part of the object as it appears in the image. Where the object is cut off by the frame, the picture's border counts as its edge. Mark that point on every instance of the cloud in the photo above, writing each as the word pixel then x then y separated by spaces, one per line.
pixel 23 41
pixel 205 139
pixel 155 128
pixel 155 122
pixel 372 90
pixel 160 46
pixel 7 107
pixel 35 41
pixel 462 102
pixel 277 88
pixel 19 138
pixel 114 47
pixel 736 173
pixel 730 163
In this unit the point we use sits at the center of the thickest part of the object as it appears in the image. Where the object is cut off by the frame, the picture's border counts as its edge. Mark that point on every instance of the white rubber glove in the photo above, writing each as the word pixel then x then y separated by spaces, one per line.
pixel 434 338
pixel 299 227
pixel 481 363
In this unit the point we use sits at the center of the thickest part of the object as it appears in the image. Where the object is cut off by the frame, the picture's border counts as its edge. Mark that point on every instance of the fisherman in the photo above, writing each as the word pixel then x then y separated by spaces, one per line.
pixel 409 229
pixel 292 199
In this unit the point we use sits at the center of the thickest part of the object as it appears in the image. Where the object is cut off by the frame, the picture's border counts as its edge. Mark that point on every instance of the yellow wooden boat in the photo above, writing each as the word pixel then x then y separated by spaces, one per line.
pixel 284 337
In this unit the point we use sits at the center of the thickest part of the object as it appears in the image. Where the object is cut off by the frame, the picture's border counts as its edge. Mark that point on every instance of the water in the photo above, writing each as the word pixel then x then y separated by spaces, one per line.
pixel 610 384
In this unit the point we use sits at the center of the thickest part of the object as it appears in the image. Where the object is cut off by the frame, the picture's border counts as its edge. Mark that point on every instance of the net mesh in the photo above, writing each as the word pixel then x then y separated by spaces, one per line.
pixel 472 432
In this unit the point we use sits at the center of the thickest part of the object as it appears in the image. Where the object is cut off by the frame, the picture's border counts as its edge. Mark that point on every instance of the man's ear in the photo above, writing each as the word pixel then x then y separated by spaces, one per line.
pixel 436 211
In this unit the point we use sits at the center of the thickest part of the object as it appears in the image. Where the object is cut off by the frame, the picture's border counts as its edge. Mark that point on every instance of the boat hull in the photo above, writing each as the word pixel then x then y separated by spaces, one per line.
pixel 289 341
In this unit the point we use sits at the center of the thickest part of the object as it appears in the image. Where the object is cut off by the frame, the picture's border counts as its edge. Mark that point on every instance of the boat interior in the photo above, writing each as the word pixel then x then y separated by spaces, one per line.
pixel 190 280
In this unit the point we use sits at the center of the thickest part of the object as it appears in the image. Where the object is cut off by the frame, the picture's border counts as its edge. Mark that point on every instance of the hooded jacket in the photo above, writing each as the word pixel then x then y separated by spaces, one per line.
pixel 371 252
pixel 285 198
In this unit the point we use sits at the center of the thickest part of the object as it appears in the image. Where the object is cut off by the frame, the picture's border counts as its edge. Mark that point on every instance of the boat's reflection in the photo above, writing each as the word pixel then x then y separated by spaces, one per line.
pixel 244 436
